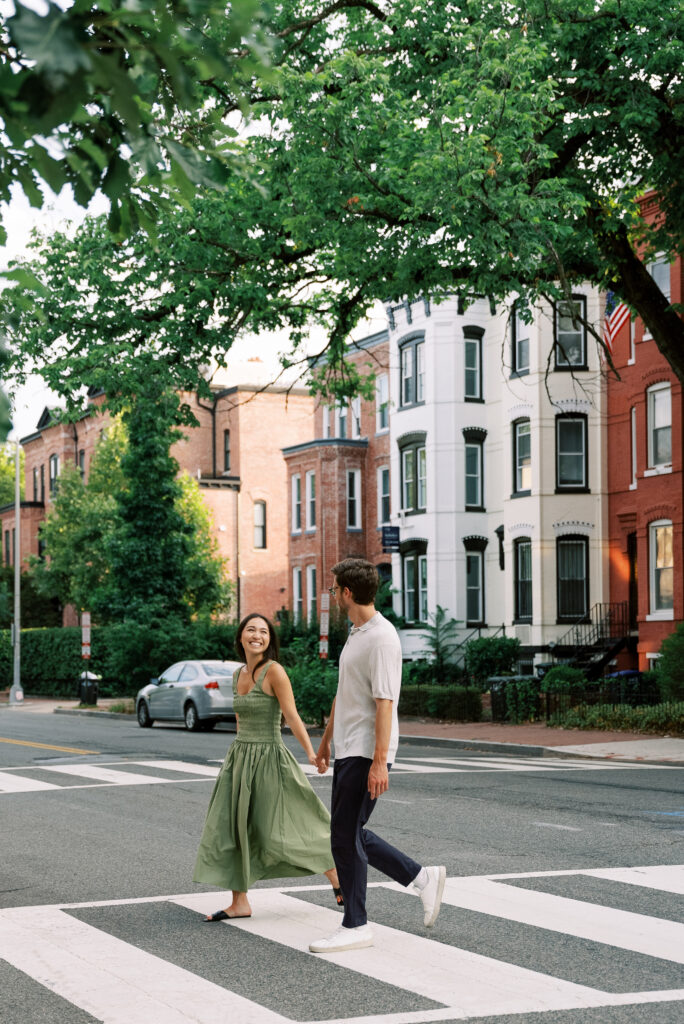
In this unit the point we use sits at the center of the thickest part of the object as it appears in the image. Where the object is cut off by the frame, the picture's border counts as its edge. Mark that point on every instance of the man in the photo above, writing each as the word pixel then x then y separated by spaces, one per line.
pixel 364 727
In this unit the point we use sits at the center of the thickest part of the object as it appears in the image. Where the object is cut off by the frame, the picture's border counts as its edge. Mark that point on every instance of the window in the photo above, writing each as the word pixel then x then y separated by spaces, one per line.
pixel 311 595
pixel 81 463
pixel 523 579
pixel 326 421
pixel 522 457
pixel 259 524
pixel 473 475
pixel 296 503
pixel 571 453
pixel 474 587
pixel 226 451
pixel 356 416
pixel 659 269
pixel 659 425
pixel 633 446
pixel 414 572
pixel 383 495
pixel 661 562
pixel 473 363
pixel 413 473
pixel 297 597
pixel 412 362
pixel 36 485
pixel 341 421
pixel 311 500
pixel 572 577
pixel 353 499
pixel 8 550
pixel 521 342
pixel 54 473
pixel 571 340
pixel 382 402
pixel 42 483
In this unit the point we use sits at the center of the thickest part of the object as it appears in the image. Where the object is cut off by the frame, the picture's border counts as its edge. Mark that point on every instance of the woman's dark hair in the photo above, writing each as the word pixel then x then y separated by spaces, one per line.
pixel 271 653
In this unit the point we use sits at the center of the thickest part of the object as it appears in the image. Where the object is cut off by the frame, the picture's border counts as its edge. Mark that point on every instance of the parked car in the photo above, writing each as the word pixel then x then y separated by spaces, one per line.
pixel 199 693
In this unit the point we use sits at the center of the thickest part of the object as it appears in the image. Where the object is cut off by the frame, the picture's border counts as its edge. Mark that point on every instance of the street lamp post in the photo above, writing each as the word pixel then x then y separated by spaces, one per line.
pixel 16 695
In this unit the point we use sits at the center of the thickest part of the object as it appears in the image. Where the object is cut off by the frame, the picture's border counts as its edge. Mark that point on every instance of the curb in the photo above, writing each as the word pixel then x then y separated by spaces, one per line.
pixel 94 714
pixel 527 750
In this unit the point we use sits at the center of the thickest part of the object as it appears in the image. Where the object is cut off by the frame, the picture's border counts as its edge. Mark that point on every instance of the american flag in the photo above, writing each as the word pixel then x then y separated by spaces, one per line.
pixel 617 314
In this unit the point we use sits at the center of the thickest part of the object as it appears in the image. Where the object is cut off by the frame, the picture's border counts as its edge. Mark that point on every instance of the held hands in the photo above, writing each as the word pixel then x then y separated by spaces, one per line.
pixel 378 779
pixel 322 760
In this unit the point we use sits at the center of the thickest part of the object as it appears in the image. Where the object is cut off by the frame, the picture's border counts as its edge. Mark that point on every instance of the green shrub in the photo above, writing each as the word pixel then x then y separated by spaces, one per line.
pixel 659 718
pixel 454 703
pixel 562 678
pixel 422 671
pixel 490 656
pixel 314 684
pixel 671 665
pixel 522 699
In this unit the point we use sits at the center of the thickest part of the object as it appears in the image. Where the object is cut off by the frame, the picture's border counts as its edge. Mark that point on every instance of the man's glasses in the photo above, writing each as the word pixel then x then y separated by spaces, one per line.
pixel 332 590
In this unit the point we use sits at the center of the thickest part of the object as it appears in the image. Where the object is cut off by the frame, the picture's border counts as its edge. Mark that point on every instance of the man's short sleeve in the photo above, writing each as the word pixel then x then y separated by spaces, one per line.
pixel 385 671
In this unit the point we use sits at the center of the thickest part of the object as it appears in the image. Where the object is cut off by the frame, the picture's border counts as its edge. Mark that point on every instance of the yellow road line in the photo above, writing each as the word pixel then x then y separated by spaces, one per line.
pixel 48 746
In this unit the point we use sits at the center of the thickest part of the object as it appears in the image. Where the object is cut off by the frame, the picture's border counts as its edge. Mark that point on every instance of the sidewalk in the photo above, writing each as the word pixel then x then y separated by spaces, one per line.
pixel 532 739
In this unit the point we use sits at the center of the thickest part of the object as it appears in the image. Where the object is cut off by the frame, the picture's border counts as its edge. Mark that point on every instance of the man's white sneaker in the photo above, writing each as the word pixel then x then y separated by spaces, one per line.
pixel 343 939
pixel 431 894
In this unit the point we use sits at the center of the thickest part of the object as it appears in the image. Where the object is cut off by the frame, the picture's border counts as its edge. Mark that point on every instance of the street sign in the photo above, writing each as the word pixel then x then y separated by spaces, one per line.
pixel 85 635
pixel 324 626
pixel 390 538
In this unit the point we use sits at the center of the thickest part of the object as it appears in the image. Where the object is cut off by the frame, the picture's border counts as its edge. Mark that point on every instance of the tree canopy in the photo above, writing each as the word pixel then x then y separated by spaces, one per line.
pixel 402 149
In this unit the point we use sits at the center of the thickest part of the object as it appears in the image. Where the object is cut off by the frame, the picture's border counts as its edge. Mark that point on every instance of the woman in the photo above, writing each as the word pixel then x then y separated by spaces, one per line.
pixel 264 819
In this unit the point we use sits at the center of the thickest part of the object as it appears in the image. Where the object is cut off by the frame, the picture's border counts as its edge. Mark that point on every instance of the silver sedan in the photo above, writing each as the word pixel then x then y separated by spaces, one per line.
pixel 199 693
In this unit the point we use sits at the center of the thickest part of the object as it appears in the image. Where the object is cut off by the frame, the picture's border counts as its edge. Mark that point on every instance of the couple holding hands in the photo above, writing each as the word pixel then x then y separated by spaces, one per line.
pixel 264 819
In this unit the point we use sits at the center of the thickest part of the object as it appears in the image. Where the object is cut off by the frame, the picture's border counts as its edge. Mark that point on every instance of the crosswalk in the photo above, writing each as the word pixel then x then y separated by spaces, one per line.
pixel 89 775
pixel 74 951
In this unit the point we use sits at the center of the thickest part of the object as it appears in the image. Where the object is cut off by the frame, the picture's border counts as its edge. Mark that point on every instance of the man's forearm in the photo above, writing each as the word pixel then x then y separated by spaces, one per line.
pixel 383 730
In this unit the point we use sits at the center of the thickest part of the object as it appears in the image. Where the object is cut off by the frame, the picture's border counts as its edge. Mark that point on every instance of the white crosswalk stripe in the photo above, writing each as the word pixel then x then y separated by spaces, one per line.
pixel 118 983
pixel 32 778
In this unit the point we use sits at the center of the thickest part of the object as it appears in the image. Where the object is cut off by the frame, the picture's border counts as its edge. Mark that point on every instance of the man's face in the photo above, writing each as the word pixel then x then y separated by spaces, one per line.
pixel 340 596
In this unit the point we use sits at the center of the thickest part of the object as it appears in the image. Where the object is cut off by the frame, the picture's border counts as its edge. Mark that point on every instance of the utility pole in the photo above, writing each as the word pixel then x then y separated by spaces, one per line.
pixel 16 693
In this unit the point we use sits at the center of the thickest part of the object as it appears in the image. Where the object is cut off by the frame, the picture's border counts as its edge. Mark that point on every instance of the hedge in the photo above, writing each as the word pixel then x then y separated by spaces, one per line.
pixel 658 718
pixel 455 703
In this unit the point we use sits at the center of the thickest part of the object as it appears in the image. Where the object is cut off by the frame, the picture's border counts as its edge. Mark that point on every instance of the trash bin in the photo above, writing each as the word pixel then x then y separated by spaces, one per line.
pixel 88 688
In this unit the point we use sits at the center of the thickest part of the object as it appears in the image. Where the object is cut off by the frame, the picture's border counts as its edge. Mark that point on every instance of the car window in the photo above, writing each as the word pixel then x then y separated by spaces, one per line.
pixel 171 675
pixel 188 673
pixel 218 668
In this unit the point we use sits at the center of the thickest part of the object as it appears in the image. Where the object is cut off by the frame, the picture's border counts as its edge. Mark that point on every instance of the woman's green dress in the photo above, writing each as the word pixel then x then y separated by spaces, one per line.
pixel 264 819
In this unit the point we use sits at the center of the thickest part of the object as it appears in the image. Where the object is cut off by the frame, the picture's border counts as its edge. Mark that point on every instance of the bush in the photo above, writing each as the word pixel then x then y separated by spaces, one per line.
pixel 490 656
pixel 314 683
pixel 421 671
pixel 455 703
pixel 562 678
pixel 671 665
pixel 659 718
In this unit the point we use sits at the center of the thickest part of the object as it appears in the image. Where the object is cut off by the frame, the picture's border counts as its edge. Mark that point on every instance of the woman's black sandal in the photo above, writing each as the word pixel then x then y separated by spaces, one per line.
pixel 220 915
pixel 338 896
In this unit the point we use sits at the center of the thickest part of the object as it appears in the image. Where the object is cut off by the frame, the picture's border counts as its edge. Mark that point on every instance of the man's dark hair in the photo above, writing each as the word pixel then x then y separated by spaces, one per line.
pixel 360 576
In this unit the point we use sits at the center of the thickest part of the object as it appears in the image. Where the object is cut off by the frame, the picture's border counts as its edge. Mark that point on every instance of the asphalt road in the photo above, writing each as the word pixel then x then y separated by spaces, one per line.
pixel 105 817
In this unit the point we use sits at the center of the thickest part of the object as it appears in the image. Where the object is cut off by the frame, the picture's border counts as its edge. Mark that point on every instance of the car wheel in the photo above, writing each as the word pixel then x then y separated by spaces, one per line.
pixel 192 721
pixel 144 720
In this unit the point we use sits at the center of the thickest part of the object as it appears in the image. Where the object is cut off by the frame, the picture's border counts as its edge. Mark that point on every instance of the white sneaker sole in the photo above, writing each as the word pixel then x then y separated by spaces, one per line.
pixel 429 921
pixel 319 947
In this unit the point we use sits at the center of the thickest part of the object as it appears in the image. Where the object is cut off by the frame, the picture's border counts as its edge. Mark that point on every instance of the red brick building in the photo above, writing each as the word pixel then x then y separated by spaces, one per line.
pixel 234 453
pixel 339 485
pixel 646 479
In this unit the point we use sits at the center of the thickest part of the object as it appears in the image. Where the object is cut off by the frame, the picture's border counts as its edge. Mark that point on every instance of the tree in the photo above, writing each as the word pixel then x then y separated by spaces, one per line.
pixel 670 665
pixel 206 588
pixel 490 656
pixel 7 467
pixel 441 640
pixel 482 149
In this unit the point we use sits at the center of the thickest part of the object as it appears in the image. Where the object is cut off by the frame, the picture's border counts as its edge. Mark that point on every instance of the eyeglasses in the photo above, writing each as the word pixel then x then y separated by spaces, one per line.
pixel 331 590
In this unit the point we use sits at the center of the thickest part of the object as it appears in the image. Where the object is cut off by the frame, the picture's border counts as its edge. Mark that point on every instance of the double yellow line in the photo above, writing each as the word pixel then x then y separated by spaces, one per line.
pixel 48 746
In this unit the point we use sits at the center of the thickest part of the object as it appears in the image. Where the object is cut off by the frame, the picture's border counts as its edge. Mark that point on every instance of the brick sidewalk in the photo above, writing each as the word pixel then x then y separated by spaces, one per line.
pixel 530 733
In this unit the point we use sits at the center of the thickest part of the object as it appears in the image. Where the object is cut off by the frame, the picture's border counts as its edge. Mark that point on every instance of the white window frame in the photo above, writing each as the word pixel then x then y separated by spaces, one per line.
pixel 518 466
pixel 420 371
pixel 651 401
pixel 521 333
pixel 561 360
pixel 479 557
pixel 560 483
pixel 658 273
pixel 310 493
pixel 356 417
pixel 422 588
pixel 297 596
pixel 53 467
pixel 664 611
pixel 341 421
pixel 354 499
pixel 472 346
pixel 259 527
pixel 311 593
pixel 384 495
pixel 633 446
pixel 296 503
pixel 477 447
pixel 326 421
pixel 382 403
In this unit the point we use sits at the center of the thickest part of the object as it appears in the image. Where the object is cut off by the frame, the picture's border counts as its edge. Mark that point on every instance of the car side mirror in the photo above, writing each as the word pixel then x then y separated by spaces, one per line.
pixel 155 682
